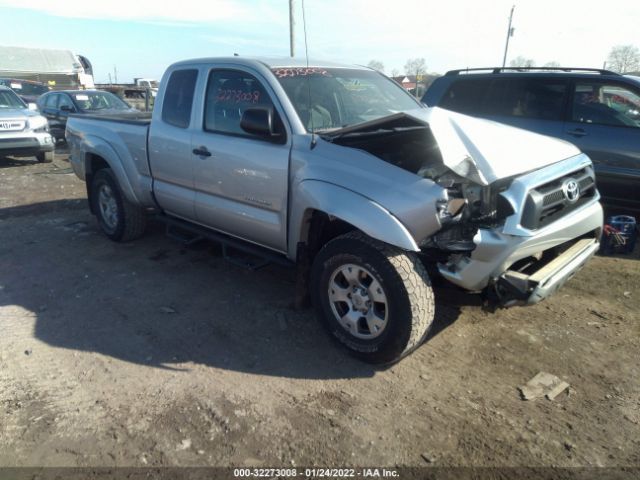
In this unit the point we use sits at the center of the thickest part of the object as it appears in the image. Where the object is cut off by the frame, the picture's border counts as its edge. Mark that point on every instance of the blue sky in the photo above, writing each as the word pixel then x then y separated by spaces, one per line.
pixel 142 37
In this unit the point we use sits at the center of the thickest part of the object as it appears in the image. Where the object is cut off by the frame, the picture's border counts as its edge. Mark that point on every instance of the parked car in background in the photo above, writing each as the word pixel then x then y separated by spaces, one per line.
pixel 27 90
pixel 338 170
pixel 596 110
pixel 150 83
pixel 137 97
pixel 56 106
pixel 23 132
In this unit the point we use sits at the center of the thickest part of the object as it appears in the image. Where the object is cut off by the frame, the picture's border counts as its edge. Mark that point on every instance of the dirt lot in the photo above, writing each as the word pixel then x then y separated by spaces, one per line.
pixel 150 353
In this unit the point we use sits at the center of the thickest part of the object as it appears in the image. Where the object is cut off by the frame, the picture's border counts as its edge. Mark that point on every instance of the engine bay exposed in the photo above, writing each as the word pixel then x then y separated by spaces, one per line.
pixel 409 143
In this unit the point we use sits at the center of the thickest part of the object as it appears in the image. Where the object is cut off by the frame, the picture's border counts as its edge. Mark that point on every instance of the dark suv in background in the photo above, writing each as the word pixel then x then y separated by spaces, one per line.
pixel 27 90
pixel 597 110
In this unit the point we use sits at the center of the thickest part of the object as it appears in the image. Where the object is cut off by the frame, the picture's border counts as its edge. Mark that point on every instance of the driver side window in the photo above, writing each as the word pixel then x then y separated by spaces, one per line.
pixel 229 94
pixel 65 101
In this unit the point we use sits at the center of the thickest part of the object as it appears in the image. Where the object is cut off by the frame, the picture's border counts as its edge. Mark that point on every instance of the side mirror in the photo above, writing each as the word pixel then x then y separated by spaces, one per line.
pixel 32 106
pixel 259 121
pixel 66 108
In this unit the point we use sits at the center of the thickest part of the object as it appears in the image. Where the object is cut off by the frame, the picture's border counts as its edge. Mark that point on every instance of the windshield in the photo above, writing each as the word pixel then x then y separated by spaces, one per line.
pixel 25 88
pixel 332 98
pixel 92 101
pixel 8 99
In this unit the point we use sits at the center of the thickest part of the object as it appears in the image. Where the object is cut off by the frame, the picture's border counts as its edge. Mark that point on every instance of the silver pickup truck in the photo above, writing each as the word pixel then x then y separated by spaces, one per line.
pixel 338 170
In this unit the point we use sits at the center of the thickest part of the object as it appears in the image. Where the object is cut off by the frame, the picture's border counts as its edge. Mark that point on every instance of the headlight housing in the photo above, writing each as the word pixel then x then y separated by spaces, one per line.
pixel 39 124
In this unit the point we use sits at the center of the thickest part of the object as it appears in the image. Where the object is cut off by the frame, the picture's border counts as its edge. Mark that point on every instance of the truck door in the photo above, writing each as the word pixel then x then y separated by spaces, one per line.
pixel 241 179
pixel 170 155
pixel 604 123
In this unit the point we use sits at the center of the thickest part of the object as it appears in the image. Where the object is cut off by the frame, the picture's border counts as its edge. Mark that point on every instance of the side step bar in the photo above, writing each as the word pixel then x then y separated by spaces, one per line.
pixel 189 233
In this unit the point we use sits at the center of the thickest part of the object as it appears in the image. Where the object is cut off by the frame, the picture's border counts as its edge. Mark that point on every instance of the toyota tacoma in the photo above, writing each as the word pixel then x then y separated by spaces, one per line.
pixel 338 170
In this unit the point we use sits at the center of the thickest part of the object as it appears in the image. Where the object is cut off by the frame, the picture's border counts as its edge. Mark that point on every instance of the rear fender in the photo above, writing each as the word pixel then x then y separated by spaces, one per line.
pixel 92 145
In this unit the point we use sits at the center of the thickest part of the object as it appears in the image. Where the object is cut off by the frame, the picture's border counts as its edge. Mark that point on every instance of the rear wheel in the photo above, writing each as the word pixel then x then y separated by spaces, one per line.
pixel 44 157
pixel 119 219
pixel 375 299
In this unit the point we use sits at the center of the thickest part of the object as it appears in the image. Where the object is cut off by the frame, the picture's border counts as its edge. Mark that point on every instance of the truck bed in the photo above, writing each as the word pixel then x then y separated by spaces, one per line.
pixel 125 135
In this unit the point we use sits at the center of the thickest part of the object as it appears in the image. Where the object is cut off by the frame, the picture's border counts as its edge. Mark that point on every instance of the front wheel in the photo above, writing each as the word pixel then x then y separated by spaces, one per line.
pixel 45 157
pixel 375 299
pixel 119 219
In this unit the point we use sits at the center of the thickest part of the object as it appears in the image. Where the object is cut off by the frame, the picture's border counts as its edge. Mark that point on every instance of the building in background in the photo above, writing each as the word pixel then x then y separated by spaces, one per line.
pixel 59 69
pixel 409 82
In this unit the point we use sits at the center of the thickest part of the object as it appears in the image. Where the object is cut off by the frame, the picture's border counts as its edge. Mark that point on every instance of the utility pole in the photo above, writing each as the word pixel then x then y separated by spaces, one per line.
pixel 509 35
pixel 115 74
pixel 292 24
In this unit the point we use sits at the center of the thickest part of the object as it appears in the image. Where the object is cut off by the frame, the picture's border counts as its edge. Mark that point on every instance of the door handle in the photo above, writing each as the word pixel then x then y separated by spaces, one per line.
pixel 202 152
pixel 577 132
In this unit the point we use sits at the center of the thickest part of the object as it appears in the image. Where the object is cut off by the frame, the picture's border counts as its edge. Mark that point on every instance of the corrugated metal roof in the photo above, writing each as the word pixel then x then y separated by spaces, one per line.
pixel 42 60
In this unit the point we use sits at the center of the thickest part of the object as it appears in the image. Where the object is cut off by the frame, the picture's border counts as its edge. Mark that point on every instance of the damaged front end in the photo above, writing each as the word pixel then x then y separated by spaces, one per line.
pixel 468 202
pixel 506 227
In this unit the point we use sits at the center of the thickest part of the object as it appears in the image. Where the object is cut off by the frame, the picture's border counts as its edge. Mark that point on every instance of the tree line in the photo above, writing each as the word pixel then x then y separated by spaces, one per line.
pixel 621 59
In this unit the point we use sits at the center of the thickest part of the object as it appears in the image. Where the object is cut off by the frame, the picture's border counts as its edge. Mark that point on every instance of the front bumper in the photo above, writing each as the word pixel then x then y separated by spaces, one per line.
pixel 517 288
pixel 26 143
pixel 497 252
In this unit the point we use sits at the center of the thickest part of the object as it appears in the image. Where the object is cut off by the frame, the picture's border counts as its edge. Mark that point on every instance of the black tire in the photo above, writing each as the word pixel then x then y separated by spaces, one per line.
pixel 45 157
pixel 404 281
pixel 130 220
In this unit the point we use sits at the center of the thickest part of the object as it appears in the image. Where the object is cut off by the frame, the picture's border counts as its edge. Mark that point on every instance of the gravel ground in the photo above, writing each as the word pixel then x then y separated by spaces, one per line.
pixel 153 354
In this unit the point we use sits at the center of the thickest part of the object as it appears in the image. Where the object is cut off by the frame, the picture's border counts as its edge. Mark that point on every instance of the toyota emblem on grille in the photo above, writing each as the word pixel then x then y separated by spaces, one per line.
pixel 571 190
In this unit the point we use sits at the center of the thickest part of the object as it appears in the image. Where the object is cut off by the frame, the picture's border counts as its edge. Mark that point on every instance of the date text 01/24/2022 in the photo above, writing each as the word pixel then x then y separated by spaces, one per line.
pixel 315 472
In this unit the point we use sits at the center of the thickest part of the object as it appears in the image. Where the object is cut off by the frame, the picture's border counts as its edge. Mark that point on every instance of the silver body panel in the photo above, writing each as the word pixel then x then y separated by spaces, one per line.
pixel 123 145
pixel 264 192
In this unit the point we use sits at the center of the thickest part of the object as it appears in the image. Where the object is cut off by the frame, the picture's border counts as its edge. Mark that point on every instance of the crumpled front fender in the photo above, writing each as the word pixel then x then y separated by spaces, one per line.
pixel 350 207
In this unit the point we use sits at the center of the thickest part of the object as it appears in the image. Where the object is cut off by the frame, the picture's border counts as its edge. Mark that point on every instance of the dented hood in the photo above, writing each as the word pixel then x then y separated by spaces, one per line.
pixel 485 151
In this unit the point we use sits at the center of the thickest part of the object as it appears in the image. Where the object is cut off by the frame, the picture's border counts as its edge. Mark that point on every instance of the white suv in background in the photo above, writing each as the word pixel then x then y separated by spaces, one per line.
pixel 23 132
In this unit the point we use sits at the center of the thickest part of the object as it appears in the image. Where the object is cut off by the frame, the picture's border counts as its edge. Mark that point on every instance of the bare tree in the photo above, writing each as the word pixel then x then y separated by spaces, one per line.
pixel 395 73
pixel 417 67
pixel 552 64
pixel 624 58
pixel 376 65
pixel 521 61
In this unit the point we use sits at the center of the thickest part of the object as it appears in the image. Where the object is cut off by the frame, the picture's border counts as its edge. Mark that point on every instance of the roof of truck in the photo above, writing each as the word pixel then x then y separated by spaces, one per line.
pixel 270 62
